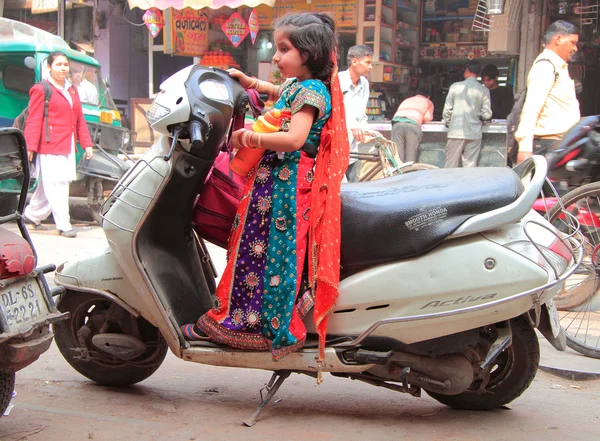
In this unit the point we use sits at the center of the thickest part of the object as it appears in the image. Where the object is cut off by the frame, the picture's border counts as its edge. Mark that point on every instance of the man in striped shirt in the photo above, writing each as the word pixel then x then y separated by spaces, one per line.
pixel 467 106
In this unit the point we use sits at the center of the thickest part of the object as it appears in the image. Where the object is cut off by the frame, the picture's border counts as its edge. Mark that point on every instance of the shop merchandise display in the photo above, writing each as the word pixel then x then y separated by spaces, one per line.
pixel 219 59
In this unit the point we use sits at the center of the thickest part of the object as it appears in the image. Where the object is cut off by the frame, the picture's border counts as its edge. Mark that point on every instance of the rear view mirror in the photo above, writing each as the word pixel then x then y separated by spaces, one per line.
pixel 29 63
pixel 13 161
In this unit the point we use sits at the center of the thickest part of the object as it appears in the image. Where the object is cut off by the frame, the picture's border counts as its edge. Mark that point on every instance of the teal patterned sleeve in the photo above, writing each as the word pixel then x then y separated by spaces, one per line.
pixel 307 93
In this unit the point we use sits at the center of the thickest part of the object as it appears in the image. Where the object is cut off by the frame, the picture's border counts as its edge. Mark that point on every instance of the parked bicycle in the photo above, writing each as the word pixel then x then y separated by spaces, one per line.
pixel 380 159
pixel 579 301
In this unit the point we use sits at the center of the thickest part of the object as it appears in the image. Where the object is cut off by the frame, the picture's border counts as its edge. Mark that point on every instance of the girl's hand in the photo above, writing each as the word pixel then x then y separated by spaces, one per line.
pixel 89 152
pixel 245 80
pixel 237 138
pixel 30 156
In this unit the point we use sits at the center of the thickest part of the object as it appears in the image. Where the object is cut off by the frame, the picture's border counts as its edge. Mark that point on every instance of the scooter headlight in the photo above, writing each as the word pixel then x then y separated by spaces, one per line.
pixel 156 112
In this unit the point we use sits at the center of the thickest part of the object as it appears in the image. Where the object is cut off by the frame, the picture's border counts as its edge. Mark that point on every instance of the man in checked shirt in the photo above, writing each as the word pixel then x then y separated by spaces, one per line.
pixel 467 106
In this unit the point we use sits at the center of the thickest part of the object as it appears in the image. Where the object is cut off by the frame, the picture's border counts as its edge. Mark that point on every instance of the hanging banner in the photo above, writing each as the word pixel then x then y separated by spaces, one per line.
pixel 236 29
pixel 154 21
pixel 186 32
pixel 253 25
pixel 43 6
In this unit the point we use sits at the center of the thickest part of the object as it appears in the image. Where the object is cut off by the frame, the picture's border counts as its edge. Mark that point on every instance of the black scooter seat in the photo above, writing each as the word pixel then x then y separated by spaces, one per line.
pixel 408 215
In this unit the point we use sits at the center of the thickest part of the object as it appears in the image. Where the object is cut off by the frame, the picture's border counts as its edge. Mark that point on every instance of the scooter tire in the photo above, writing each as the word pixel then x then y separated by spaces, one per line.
pixel 7 386
pixel 104 369
pixel 512 373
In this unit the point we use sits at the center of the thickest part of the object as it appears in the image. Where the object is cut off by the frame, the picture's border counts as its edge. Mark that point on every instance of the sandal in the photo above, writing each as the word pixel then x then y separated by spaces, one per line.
pixel 191 332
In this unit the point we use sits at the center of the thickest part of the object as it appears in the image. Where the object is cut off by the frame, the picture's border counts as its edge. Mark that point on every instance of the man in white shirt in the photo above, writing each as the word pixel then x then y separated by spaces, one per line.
pixel 355 88
pixel 87 91
pixel 551 107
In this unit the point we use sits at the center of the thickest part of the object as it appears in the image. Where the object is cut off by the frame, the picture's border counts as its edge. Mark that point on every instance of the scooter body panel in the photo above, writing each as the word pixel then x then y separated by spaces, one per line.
pixel 448 279
pixel 304 360
pixel 102 274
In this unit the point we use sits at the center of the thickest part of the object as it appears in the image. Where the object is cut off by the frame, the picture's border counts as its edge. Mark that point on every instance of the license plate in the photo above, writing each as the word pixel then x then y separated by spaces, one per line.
pixel 22 303
pixel 553 317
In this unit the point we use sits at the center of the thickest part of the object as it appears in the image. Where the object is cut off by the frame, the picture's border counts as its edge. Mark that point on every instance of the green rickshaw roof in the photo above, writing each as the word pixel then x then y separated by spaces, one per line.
pixel 21 37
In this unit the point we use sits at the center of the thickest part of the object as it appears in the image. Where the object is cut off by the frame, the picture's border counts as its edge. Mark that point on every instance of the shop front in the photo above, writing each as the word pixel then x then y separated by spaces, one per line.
pixel 417 45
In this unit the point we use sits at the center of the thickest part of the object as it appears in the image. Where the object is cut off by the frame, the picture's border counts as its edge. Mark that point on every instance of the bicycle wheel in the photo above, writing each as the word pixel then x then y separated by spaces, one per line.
pixel 417 166
pixel 579 301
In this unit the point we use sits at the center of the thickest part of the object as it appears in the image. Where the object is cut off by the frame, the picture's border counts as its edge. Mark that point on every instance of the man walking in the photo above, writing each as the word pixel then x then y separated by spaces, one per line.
pixel 467 106
pixel 502 98
pixel 551 107
pixel 406 125
pixel 355 88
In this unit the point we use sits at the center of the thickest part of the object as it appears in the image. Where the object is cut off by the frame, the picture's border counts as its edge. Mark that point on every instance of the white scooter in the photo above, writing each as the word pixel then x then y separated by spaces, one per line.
pixel 445 273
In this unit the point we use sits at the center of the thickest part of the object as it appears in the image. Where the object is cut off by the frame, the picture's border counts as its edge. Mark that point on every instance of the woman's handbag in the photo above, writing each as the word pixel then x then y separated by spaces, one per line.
pixel 215 207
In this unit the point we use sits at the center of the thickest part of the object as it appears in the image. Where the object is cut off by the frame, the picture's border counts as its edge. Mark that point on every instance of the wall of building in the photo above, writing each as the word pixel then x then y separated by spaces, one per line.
pixel 532 26
pixel 122 50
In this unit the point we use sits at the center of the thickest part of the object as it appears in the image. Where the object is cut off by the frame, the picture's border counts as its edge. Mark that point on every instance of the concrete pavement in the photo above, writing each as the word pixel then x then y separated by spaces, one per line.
pixel 191 402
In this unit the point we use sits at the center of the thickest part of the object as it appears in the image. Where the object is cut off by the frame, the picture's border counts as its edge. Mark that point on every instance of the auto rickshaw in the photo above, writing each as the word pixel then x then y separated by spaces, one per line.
pixel 23 53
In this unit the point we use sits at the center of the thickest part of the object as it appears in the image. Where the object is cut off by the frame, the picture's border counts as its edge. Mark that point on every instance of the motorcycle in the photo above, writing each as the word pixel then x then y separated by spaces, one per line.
pixel 478 270
pixel 26 303
pixel 573 162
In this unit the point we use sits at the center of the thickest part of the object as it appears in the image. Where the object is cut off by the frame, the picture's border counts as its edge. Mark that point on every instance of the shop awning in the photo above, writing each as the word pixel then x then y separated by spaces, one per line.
pixel 197 4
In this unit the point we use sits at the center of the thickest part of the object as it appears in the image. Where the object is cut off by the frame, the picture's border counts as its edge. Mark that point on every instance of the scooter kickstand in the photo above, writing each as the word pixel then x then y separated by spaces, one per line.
pixel 272 387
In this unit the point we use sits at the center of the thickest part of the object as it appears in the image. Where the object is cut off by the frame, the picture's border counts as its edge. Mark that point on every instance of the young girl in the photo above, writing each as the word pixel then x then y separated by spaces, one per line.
pixel 55 152
pixel 257 306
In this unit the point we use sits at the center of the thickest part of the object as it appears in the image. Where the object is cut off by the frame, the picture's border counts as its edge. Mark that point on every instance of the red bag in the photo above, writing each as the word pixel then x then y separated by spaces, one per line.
pixel 214 209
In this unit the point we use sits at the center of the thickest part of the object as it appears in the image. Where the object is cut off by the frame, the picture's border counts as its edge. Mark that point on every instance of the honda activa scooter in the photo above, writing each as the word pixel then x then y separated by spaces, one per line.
pixel 445 273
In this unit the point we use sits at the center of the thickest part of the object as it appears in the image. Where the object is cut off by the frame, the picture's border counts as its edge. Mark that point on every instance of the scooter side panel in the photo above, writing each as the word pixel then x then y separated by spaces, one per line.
pixel 449 278
pixel 102 272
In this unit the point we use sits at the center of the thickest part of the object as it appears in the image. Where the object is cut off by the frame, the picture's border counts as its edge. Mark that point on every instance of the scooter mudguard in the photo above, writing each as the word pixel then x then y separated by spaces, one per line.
pixel 550 327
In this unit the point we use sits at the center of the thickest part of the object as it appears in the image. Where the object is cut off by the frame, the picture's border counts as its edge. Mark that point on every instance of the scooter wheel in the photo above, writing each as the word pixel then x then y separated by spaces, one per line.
pixel 511 374
pixel 7 386
pixel 92 314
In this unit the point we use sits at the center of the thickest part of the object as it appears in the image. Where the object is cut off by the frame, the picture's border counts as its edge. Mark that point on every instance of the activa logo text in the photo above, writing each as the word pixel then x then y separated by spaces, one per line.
pixel 468 299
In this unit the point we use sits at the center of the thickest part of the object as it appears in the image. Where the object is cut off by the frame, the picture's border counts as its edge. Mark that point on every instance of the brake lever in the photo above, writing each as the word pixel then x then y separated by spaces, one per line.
pixel 176 133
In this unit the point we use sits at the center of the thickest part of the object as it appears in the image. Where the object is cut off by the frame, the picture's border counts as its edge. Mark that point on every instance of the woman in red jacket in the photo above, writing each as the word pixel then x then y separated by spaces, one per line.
pixel 55 163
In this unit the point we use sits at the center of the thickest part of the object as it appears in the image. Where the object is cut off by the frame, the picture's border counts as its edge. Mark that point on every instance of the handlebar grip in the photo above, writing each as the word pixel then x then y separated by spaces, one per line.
pixel 196 137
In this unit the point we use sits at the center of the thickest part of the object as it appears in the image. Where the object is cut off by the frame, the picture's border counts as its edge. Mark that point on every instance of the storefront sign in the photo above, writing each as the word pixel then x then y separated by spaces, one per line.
pixel 154 21
pixel 267 15
pixel 186 32
pixel 43 6
pixel 343 11
pixel 253 25
pixel 453 52
pixel 236 29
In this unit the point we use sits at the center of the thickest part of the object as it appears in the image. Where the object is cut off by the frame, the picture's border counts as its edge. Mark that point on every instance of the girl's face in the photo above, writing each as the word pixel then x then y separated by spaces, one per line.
pixel 288 59
pixel 59 69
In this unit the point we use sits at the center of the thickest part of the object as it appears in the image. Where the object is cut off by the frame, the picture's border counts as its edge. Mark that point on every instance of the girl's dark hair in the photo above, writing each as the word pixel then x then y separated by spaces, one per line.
pixel 315 37
pixel 54 55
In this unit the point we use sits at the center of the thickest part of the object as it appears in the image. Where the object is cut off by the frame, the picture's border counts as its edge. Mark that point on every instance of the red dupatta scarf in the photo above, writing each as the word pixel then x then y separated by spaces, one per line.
pixel 325 218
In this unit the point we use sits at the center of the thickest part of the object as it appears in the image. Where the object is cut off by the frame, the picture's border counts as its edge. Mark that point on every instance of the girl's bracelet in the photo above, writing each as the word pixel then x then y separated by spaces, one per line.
pixel 253 83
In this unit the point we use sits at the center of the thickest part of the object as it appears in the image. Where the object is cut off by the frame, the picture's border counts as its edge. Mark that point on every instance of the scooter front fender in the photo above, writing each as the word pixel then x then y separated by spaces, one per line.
pixel 101 274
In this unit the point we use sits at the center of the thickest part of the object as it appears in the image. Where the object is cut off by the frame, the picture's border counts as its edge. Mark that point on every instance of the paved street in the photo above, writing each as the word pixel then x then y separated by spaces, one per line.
pixel 185 401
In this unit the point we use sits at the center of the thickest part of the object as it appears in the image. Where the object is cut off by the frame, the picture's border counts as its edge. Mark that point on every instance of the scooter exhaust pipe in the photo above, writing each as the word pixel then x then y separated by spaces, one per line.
pixel 448 374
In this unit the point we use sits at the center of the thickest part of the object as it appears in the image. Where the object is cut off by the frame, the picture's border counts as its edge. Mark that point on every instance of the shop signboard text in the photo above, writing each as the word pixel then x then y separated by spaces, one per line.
pixel 186 32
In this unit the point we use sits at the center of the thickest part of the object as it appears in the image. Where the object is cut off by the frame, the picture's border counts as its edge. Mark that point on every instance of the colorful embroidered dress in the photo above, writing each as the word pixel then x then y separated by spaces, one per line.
pixel 256 304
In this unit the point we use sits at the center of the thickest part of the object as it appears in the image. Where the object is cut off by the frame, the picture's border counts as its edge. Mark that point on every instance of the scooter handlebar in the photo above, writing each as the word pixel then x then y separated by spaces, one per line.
pixel 519 208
